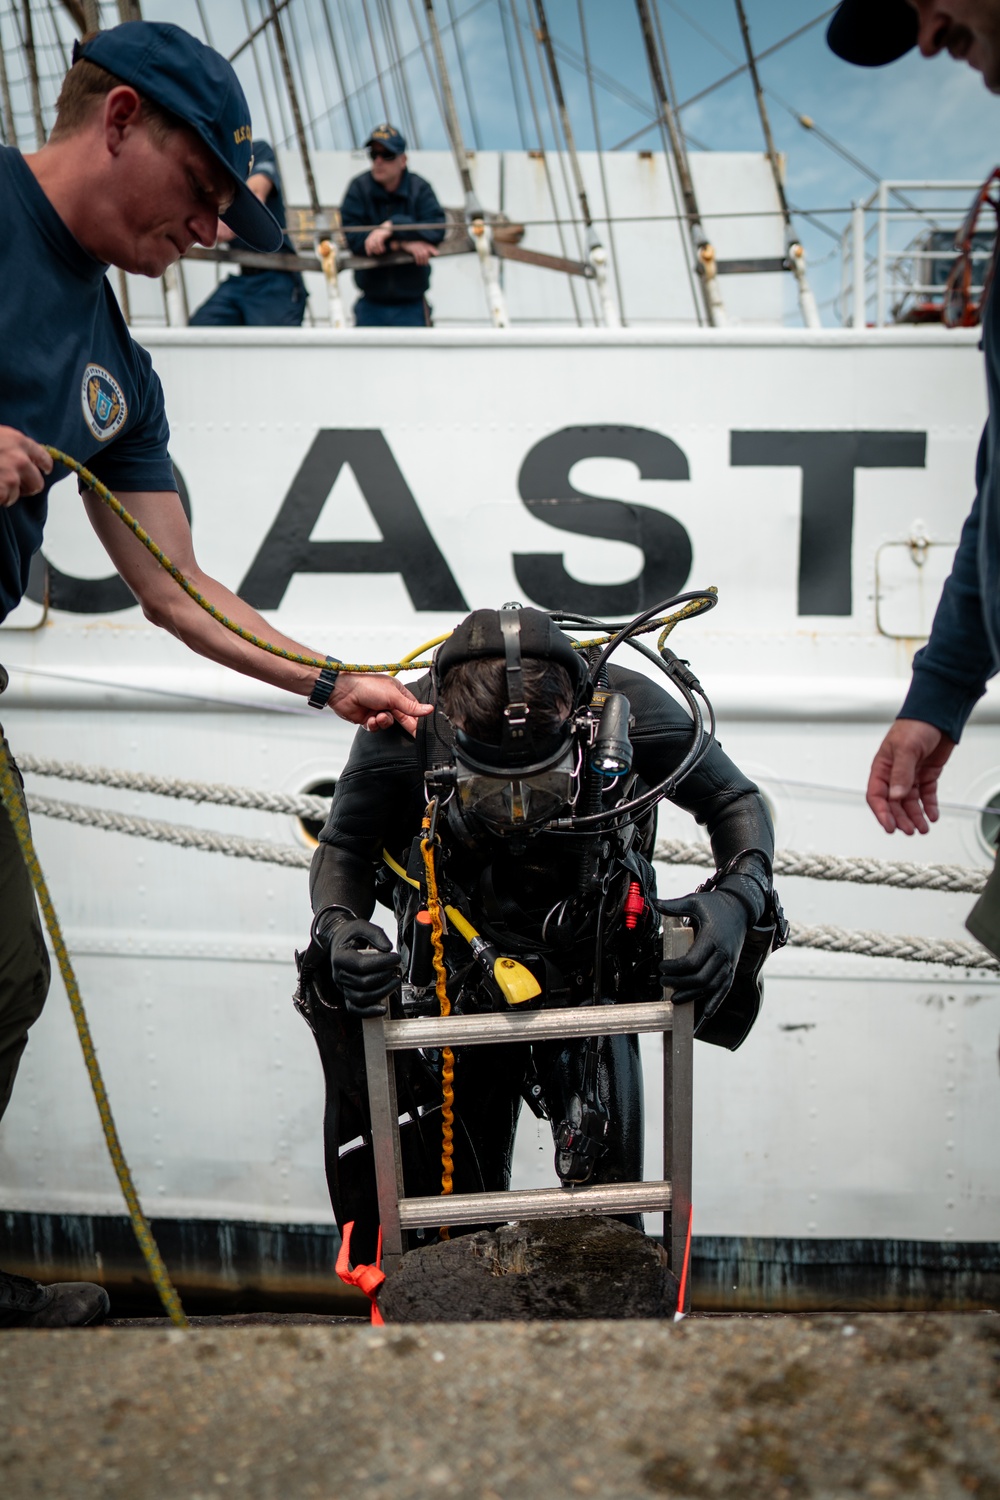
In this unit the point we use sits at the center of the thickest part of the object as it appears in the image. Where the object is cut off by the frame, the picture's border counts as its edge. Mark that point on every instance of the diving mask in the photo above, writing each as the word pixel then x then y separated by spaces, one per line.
pixel 510 799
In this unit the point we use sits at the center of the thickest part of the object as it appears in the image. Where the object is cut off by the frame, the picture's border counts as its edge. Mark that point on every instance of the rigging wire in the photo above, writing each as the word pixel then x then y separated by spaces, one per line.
pixel 515 91
pixel 456 37
pixel 375 60
pixel 542 152
pixel 296 54
pixel 352 129
pixel 391 32
pixel 600 160
pixel 548 86
pixel 673 168
pixel 278 91
pixel 272 134
pixel 425 53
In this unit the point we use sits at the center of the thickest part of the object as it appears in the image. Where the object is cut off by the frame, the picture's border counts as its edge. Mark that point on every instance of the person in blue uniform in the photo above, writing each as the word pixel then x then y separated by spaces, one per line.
pixel 950 673
pixel 257 298
pixel 151 145
pixel 386 201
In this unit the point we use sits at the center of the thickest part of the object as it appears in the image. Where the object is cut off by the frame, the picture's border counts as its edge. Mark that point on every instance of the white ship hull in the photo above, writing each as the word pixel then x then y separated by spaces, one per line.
pixel 866 1104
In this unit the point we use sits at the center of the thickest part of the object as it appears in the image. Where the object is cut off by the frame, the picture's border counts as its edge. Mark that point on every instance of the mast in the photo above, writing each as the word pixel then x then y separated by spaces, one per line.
pixel 703 249
pixel 32 62
pixel 473 208
pixel 794 252
pixel 321 225
pixel 596 253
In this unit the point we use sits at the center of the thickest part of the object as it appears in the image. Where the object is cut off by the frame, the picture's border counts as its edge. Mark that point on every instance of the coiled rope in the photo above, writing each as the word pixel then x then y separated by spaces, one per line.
pixel 14 803
pixel 427 843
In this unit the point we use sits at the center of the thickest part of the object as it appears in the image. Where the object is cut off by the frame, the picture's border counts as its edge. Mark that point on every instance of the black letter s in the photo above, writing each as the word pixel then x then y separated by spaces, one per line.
pixel 545 489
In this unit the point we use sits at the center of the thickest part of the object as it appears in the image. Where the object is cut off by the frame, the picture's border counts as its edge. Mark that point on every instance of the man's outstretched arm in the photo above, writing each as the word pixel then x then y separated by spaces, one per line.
pixel 376 702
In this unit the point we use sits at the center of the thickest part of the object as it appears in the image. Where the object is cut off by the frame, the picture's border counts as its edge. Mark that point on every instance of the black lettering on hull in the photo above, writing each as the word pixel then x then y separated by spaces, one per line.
pixel 407 546
pixel 546 491
pixel 826 533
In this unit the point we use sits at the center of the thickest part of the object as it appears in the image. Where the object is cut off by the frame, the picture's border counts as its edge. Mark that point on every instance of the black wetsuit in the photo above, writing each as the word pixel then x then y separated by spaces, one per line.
pixel 511 889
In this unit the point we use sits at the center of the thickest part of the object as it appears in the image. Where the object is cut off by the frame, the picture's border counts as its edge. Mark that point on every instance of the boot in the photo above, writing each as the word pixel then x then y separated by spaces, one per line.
pixel 63 1304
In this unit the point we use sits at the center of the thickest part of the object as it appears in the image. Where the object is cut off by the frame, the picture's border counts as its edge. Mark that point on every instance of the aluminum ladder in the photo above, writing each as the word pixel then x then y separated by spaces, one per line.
pixel 671 1195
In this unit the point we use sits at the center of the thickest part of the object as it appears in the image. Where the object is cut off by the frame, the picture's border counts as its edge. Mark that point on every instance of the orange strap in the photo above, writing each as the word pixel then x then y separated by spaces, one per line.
pixel 368 1278
pixel 682 1289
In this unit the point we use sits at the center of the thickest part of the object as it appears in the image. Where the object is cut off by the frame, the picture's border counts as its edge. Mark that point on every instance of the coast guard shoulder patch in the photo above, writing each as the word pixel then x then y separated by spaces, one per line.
pixel 103 403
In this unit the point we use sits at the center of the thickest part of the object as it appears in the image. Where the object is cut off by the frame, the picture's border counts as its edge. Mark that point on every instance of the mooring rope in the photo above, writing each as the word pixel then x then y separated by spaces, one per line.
pixel 857 870
pixel 178 834
pixel 890 945
pixel 302 806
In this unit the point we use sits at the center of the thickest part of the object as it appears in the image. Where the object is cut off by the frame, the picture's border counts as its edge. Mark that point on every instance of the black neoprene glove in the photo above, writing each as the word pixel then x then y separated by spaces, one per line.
pixel 362 962
pixel 705 973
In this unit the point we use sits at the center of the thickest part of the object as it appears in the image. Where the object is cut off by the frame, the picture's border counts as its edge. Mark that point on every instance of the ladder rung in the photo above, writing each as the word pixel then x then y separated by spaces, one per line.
pixel 535 1025
pixel 535 1203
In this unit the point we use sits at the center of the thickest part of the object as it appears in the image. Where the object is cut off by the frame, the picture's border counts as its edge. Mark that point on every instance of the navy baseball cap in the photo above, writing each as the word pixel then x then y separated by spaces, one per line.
pixel 872 32
pixel 389 138
pixel 195 83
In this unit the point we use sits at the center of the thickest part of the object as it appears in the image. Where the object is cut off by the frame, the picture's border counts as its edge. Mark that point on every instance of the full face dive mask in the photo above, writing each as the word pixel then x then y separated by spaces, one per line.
pixel 532 775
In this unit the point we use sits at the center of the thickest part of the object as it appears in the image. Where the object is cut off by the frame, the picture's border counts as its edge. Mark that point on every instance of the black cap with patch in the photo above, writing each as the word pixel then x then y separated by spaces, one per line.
pixel 872 32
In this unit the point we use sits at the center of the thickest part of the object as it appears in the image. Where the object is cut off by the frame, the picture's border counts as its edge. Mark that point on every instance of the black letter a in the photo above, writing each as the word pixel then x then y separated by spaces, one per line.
pixel 407 547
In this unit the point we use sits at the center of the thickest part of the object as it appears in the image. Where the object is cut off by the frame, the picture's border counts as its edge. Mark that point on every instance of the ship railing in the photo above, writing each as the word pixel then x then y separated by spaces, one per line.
pixel 894 239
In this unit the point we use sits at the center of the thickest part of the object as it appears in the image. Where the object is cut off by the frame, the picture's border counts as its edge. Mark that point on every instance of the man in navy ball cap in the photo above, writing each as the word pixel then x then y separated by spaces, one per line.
pixel 950 673
pixel 394 209
pixel 198 87
pixel 151 146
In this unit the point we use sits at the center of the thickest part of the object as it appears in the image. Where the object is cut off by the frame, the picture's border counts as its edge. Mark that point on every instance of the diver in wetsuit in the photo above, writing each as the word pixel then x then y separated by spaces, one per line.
pixel 524 739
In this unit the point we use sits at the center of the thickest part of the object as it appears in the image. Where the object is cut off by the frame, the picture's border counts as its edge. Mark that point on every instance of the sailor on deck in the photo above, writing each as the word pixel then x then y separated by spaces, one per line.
pixel 258 297
pixel 392 198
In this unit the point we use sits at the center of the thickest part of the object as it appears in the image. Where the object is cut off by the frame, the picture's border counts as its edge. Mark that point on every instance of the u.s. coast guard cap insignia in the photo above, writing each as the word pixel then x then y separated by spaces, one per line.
pixel 104 406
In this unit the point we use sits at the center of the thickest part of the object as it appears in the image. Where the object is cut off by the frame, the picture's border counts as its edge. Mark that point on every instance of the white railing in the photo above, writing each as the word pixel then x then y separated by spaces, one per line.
pixel 893 245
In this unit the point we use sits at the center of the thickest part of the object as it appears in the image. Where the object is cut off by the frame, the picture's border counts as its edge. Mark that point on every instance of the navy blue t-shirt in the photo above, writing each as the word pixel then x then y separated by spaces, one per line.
pixel 70 372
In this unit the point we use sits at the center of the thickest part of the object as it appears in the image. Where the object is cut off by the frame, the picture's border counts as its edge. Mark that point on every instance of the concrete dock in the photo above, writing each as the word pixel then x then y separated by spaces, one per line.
pixel 818 1406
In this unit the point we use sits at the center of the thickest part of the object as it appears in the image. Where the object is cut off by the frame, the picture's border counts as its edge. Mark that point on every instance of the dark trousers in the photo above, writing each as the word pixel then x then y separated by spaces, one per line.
pixel 24 962
pixel 369 314
pixel 269 299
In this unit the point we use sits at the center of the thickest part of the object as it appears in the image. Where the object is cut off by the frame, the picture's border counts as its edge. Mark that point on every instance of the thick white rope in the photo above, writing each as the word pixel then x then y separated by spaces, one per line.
pixel 859 870
pixel 190 791
pixel 172 833
pixel 888 945
pixel 833 939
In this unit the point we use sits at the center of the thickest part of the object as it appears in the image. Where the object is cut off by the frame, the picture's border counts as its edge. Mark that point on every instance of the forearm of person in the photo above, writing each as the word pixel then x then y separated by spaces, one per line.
pixel 338 877
pixel 950 673
pixel 165 604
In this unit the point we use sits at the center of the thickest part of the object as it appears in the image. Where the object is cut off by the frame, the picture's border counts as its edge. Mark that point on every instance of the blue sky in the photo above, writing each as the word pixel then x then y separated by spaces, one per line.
pixel 915 119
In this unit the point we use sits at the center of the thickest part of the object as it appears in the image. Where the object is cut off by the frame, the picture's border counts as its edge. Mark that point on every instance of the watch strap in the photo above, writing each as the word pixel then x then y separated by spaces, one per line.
pixel 325 684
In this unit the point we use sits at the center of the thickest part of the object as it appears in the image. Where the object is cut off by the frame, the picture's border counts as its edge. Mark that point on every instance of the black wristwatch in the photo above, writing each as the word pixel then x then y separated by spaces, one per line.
pixel 325 684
